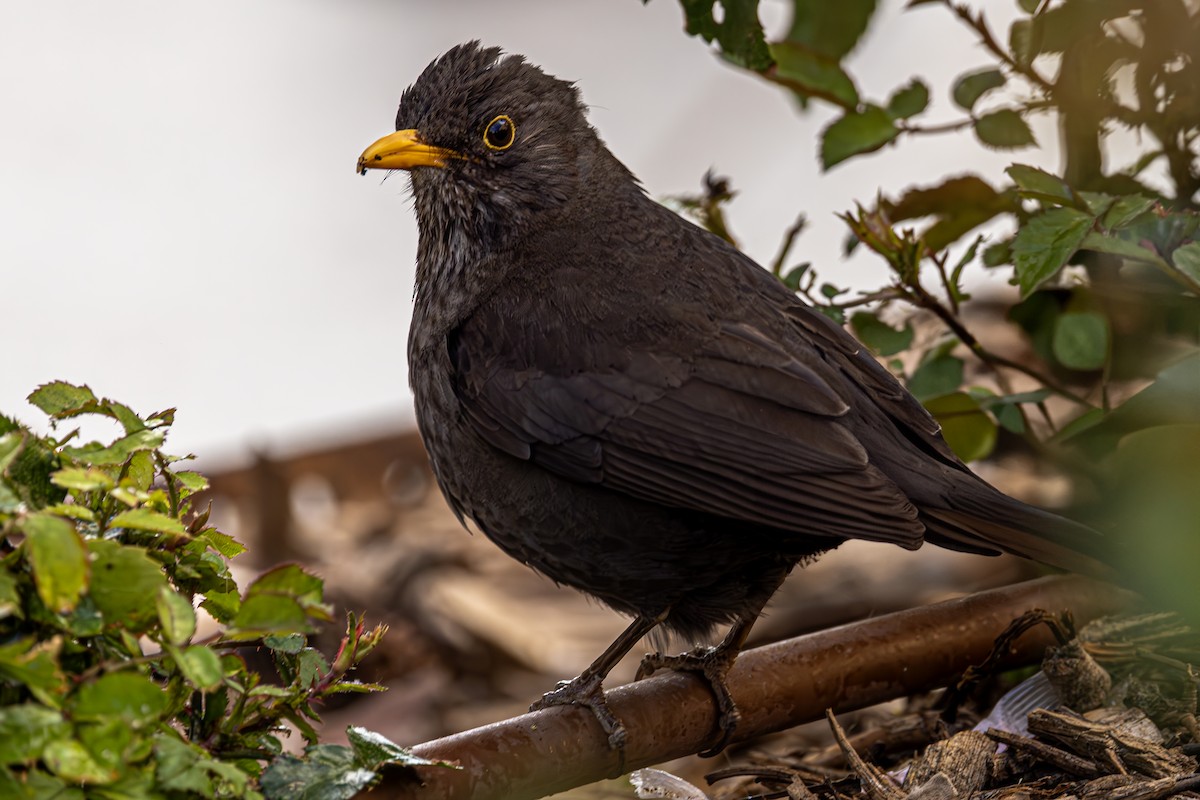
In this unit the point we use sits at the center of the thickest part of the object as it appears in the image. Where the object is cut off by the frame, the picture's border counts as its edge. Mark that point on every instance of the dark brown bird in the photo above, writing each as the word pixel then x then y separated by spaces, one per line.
pixel 629 405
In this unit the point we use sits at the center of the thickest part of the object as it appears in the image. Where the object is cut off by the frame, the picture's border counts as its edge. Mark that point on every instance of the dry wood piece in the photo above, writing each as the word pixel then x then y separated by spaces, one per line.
pixel 1081 682
pixel 1110 744
pixel 1067 762
pixel 876 784
pixel 964 759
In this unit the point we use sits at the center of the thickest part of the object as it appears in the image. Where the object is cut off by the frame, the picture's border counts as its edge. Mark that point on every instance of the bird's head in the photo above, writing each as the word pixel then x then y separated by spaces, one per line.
pixel 491 142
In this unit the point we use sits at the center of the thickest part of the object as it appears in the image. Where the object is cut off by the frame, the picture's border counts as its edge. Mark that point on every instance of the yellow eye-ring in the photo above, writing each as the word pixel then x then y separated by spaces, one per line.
pixel 500 133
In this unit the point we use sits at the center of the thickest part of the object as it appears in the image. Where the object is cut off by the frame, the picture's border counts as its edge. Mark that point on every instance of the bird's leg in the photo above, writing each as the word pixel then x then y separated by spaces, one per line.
pixel 587 690
pixel 713 664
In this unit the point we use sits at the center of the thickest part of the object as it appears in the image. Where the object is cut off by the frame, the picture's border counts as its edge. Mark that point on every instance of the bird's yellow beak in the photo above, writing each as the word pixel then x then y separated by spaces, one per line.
pixel 403 150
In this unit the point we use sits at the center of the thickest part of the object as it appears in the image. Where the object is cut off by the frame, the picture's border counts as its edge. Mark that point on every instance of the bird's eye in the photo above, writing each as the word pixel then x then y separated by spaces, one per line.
pixel 500 133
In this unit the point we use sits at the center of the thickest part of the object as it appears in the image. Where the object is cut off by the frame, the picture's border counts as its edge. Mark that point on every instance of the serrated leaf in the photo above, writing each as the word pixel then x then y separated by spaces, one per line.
pixel 1118 246
pixel 937 376
pixel 1038 183
pixel 1126 210
pixel 832 29
pixel 1021 42
pixel 909 100
pixel 1187 260
pixel 26 729
pixel 201 667
pixel 60 397
pixel 222 605
pixel 84 479
pixel 223 543
pixel 118 451
pixel 1004 129
pixel 123 581
pixel 970 87
pixel 856 132
pixel 374 750
pixel 328 772
pixel 71 761
pixel 1045 243
pixel 176 615
pixel 265 614
pixel 1081 340
pixel 192 481
pixel 970 432
pixel 35 665
pixel 810 74
pixel 291 643
pixel 58 560
pixel 124 695
pixel 879 336
pixel 739 33
pixel 10 448
pixel 144 519
pixel 141 470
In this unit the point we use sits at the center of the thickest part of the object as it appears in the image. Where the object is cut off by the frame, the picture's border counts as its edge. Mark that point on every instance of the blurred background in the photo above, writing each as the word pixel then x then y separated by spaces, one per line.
pixel 195 164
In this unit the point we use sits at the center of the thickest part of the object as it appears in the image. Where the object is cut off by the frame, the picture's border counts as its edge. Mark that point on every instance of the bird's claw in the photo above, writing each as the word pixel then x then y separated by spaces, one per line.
pixel 589 693
pixel 712 664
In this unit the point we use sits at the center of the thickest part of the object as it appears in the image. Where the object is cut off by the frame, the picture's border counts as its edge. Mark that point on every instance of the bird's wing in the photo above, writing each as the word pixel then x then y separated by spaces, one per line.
pixel 736 426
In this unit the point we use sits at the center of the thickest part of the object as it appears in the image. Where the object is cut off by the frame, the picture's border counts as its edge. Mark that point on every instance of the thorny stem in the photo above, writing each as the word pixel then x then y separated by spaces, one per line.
pixel 785 247
pixel 918 296
pixel 980 26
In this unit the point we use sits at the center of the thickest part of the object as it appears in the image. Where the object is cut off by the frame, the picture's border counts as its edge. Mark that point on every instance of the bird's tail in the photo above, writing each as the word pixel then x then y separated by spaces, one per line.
pixel 978 518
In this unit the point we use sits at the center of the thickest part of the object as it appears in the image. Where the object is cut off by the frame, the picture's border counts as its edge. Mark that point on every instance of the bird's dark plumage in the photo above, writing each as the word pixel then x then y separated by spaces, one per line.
pixel 628 404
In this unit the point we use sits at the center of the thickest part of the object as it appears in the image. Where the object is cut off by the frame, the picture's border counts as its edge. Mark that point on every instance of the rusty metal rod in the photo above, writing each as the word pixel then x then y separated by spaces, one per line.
pixel 778 686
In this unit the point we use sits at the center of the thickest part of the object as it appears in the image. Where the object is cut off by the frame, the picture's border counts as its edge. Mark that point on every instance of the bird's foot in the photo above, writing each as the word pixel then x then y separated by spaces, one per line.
pixel 712 664
pixel 587 691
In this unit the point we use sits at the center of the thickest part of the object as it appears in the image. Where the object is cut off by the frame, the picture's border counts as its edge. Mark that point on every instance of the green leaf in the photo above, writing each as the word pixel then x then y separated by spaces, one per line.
pixel 61 397
pixel 1187 260
pixel 223 543
pixel 792 277
pixel 57 557
pixel 176 614
pixel 1044 244
pixel 192 481
pixel 374 750
pixel 936 377
pixel 292 643
pixel 10 448
pixel 739 34
pixel 970 87
pixel 39 785
pixel 311 666
pixel 879 336
pixel 1004 129
pixel 201 667
pixel 1126 210
pixel 35 664
pixel 290 580
pixel 143 519
pixel 832 29
pixel 328 772
pixel 970 432
pixel 1021 42
pixel 1039 184
pixel 1029 6
pixel 265 614
pixel 811 74
pixel 10 599
pixel 1119 246
pixel 123 581
pixel 71 761
pixel 118 451
pixel 124 695
pixel 855 133
pixel 909 100
pixel 222 605
pixel 26 729
pixel 1081 340
pixel 140 471
pixel 83 479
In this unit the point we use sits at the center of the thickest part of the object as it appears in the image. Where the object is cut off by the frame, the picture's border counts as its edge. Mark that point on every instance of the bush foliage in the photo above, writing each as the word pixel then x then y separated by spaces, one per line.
pixel 105 691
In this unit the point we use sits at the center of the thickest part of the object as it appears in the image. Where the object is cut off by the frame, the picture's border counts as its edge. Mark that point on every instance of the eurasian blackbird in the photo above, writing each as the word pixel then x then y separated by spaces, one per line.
pixel 629 405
